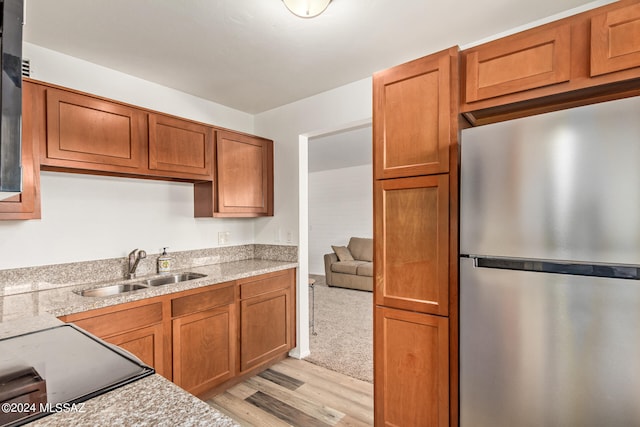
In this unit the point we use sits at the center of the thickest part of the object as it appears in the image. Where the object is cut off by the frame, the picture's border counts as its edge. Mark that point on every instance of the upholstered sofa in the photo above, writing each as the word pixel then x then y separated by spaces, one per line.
pixel 351 266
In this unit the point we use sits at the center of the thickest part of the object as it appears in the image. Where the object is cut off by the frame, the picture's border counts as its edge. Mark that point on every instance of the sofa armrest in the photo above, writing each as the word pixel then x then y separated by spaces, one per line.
pixel 328 260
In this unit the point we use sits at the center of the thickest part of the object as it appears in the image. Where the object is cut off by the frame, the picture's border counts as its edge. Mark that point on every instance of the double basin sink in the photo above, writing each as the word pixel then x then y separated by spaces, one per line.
pixel 136 286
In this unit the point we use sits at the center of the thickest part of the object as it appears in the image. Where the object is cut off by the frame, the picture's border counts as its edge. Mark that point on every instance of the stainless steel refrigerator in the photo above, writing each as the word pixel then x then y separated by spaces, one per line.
pixel 550 268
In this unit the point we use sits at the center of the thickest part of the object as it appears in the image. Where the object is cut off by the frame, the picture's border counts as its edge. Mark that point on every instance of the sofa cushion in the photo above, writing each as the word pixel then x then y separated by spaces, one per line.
pixel 361 248
pixel 343 253
pixel 365 269
pixel 347 267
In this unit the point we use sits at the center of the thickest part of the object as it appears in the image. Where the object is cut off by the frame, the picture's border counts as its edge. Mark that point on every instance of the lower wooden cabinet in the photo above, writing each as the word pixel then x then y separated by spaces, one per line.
pixel 197 338
pixel 204 349
pixel 145 343
pixel 266 319
pixel 411 359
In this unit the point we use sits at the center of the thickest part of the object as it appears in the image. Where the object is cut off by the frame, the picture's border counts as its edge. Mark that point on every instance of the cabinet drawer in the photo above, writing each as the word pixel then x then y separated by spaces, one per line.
pixel 123 320
pixel 615 40
pixel 202 301
pixel 528 60
pixel 274 282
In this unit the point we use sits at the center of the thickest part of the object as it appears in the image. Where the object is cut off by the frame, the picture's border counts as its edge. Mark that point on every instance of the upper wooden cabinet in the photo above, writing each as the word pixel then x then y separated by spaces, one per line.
pixel 589 57
pixel 180 147
pixel 90 133
pixel 615 40
pixel 26 205
pixel 412 109
pixel 243 184
pixel 528 60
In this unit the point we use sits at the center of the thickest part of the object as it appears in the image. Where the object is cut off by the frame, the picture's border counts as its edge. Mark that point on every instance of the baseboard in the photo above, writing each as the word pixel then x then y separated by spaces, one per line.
pixel 297 354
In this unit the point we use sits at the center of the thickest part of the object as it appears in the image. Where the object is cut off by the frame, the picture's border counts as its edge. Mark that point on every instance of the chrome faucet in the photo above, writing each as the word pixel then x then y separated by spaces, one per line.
pixel 134 258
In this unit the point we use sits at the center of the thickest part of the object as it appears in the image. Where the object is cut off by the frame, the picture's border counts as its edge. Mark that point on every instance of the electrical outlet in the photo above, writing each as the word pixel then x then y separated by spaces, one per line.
pixel 289 236
pixel 223 237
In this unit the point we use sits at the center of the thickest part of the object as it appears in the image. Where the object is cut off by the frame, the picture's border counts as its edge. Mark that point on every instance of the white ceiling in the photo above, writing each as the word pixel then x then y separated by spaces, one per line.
pixel 253 55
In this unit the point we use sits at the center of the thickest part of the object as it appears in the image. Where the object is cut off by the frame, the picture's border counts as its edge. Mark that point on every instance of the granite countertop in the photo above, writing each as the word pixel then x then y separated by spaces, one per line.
pixel 17 302
pixel 150 401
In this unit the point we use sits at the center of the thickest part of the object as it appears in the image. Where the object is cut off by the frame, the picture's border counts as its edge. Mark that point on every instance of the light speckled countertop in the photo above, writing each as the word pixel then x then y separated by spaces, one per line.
pixel 150 401
pixel 61 301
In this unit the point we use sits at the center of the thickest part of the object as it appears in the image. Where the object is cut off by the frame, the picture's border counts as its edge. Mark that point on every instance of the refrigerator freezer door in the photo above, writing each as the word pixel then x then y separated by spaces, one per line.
pixel 541 349
pixel 563 185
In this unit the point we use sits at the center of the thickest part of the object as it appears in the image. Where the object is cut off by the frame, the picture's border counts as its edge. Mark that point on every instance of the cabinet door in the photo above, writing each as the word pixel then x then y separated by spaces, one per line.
pixel 204 349
pixel 26 205
pixel 412 117
pixel 90 133
pixel 265 328
pixel 532 59
pixel 245 175
pixel 180 147
pixel 411 355
pixel 615 40
pixel 411 258
pixel 146 343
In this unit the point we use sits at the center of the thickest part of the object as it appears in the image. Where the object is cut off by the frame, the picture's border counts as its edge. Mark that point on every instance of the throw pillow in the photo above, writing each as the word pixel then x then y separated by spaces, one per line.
pixel 343 253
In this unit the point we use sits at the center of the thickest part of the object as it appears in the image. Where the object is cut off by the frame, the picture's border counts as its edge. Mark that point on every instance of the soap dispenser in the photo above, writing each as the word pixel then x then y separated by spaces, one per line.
pixel 164 262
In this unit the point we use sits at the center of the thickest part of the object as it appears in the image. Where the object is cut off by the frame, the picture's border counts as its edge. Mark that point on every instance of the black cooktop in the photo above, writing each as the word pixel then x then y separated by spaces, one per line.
pixel 56 369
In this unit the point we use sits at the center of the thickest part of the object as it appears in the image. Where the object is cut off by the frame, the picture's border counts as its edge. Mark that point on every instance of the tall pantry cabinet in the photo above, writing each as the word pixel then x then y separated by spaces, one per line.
pixel 415 138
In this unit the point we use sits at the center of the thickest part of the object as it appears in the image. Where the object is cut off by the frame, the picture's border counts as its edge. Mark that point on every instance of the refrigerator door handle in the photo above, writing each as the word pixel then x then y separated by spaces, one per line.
pixel 631 272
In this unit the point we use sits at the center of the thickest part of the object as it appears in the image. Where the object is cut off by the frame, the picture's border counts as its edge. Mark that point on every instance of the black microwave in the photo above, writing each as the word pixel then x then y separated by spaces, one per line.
pixel 11 97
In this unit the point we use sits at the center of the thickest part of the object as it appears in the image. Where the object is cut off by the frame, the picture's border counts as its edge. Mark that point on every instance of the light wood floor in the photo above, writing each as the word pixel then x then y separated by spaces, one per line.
pixel 301 394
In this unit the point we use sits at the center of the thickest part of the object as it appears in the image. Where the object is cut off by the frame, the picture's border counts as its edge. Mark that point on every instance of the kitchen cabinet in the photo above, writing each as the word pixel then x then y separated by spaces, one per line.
pixel 615 40
pixel 90 133
pixel 412 243
pixel 26 205
pixel 180 148
pixel 588 57
pixel 244 178
pixel 137 327
pixel 204 339
pixel 267 313
pixel 527 60
pixel 412 369
pixel 416 162
pixel 412 106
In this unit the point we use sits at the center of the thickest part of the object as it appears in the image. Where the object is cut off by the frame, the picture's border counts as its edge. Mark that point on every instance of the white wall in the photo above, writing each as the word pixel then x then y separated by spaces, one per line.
pixel 327 111
pixel 91 217
pixel 340 206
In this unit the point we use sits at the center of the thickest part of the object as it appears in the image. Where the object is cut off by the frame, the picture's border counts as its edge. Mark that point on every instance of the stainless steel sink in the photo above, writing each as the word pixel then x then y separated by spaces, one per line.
pixel 173 278
pixel 111 290
pixel 143 284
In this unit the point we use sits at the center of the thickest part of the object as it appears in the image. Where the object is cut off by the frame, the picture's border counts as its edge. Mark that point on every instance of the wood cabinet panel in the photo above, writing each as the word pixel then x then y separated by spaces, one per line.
pixel 204 349
pixel 411 352
pixel 179 147
pixel 529 60
pixel 245 174
pixel 145 343
pixel 412 117
pixel 203 300
pixel 270 282
pixel 615 40
pixel 26 205
pixel 91 133
pixel 244 178
pixel 411 219
pixel 265 328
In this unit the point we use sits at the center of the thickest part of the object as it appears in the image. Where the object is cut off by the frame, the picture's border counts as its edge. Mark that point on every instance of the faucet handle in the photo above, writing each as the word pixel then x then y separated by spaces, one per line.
pixel 142 254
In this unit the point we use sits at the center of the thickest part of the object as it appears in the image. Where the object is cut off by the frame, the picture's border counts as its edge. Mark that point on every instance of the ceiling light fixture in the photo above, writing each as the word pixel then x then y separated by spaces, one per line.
pixel 306 8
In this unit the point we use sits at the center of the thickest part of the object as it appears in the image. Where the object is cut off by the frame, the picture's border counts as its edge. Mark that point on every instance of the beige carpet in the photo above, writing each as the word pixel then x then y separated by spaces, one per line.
pixel 344 327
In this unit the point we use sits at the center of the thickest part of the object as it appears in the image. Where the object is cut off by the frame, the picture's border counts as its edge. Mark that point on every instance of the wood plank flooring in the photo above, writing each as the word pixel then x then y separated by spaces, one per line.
pixel 300 394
